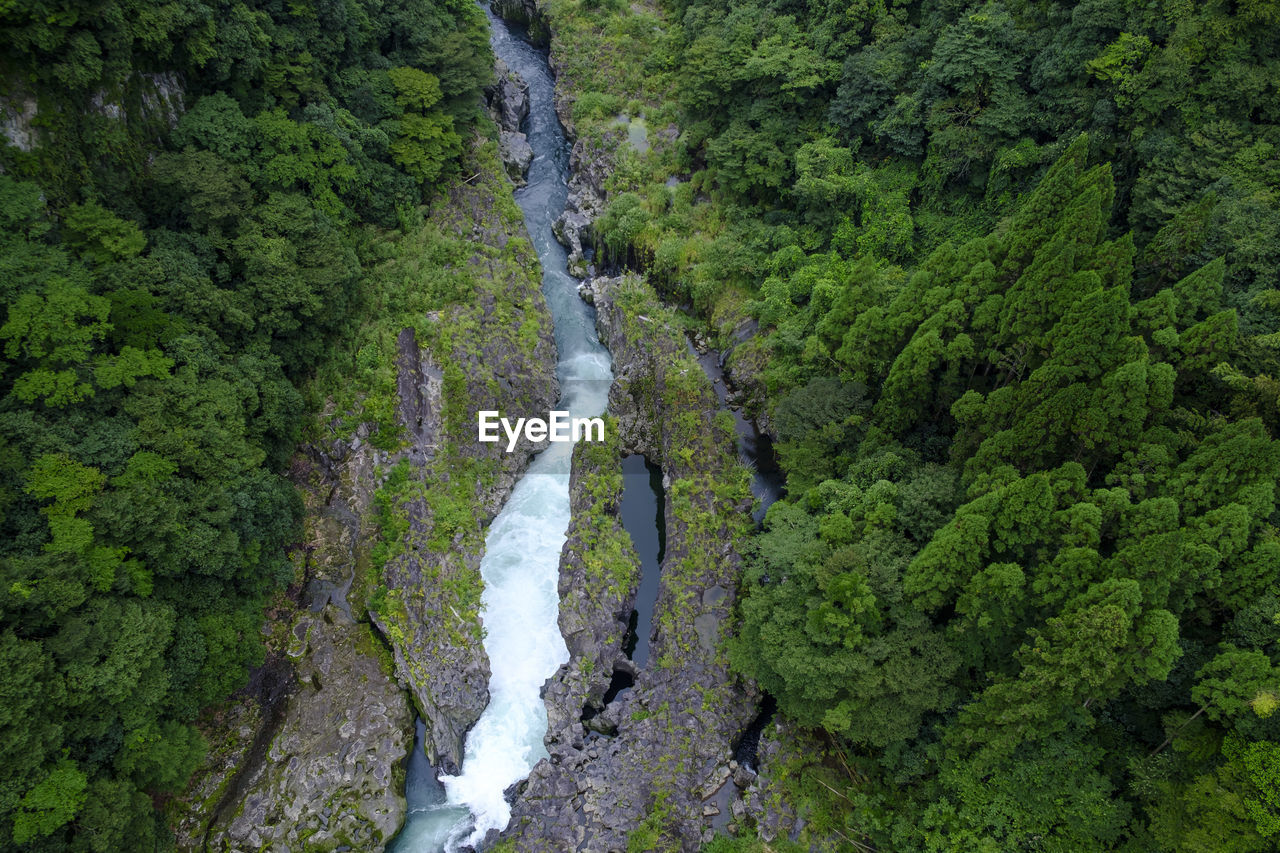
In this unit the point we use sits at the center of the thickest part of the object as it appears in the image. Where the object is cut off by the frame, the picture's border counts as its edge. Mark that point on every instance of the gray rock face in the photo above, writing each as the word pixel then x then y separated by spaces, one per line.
pixel 333 772
pixel 418 385
pixel 589 166
pixel 309 754
pixel 573 227
pixel 762 805
pixel 593 616
pixel 664 746
pixel 448 677
pixel 437 647
pixel 516 154
pixel 508 98
pixel 311 758
pixel 447 671
pixel 159 94
pixel 16 114
pixel 526 14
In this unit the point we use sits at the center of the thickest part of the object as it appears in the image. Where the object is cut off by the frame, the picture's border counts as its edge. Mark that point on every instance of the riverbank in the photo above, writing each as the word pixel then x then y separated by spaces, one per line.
pixel 521 603
pixel 643 767
pixel 382 620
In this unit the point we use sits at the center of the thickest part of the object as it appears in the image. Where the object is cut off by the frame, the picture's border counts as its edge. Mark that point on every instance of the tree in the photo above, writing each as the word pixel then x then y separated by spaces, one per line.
pixel 51 804
pixel 424 138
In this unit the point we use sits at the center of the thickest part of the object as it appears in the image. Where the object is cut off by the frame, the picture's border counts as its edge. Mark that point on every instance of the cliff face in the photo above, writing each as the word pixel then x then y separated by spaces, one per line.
pixel 525 14
pixel 508 107
pixel 333 773
pixel 652 761
pixel 384 620
pixel 310 755
pixel 155 98
pixel 652 767
pixel 501 350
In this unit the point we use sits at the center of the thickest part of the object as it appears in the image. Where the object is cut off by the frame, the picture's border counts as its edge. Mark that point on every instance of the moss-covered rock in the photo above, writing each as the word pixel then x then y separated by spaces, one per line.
pixel 385 612
pixel 333 773
pixel 495 351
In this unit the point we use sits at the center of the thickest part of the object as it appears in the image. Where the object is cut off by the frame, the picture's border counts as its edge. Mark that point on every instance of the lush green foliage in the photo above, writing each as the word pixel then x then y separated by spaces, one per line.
pixel 881 130
pixel 1013 266
pixel 1031 549
pixel 176 261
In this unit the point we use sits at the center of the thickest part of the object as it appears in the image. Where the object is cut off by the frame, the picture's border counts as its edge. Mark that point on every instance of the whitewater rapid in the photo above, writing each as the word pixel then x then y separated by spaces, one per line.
pixel 521 603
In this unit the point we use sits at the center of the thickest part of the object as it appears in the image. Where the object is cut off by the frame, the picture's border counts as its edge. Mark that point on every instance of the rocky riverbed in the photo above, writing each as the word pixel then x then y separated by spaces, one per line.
pixel 654 766
pixel 652 761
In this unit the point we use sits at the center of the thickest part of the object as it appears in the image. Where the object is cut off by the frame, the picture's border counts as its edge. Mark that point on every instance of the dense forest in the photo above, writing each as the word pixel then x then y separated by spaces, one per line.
pixel 1014 269
pixel 182 239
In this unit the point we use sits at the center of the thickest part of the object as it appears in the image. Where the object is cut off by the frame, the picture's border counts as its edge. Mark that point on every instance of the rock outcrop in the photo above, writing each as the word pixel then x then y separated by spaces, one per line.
pixel 442 662
pixel 508 97
pixel 159 96
pixel 516 155
pixel 762 805
pixel 333 774
pixel 16 115
pixel 311 755
pixel 589 163
pixel 508 101
pixel 508 365
pixel 527 15
pixel 312 747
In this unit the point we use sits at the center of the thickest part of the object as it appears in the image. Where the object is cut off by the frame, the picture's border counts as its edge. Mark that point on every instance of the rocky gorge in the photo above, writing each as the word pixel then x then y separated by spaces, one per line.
pixel 316 761
pixel 655 766
pixel 654 760
pixel 311 754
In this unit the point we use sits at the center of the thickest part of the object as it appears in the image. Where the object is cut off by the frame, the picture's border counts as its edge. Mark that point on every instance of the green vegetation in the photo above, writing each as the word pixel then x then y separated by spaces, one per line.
pixel 1033 547
pixel 652 833
pixel 190 233
pixel 1013 265
pixel 1014 268
pixel 468 302
pixel 607 553
pixel 878 132
pixel 709 487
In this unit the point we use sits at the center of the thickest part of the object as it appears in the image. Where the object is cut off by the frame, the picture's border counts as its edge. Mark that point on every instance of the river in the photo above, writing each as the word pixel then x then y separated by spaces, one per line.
pixel 522 549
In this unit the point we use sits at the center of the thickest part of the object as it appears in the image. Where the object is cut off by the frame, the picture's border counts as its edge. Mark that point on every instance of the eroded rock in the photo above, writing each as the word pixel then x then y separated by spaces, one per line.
pixel 317 766
pixel 525 14
pixel 516 154
pixel 508 98
pixel 333 772
pixel 437 643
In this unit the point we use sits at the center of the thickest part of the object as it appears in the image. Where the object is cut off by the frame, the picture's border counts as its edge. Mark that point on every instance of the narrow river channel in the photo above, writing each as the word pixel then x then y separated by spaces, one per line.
pixel 522 549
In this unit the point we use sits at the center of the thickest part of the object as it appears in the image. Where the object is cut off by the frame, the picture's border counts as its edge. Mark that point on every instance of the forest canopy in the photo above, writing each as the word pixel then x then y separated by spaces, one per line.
pixel 1013 266
pixel 183 235
pixel 1044 545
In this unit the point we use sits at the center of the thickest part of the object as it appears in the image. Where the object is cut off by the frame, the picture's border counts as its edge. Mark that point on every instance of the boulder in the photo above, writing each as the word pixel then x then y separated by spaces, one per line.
pixel 516 154
pixel 508 98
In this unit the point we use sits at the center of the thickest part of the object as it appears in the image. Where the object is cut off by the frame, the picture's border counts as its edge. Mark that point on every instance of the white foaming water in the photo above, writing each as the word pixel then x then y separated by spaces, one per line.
pixel 521 569
pixel 521 564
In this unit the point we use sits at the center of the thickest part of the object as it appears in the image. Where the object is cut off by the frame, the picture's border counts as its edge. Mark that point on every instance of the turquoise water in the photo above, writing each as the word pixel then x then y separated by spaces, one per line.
pixel 522 550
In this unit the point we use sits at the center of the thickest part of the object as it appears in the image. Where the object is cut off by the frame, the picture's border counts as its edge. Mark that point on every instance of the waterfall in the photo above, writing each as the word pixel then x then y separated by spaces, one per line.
pixel 522 550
